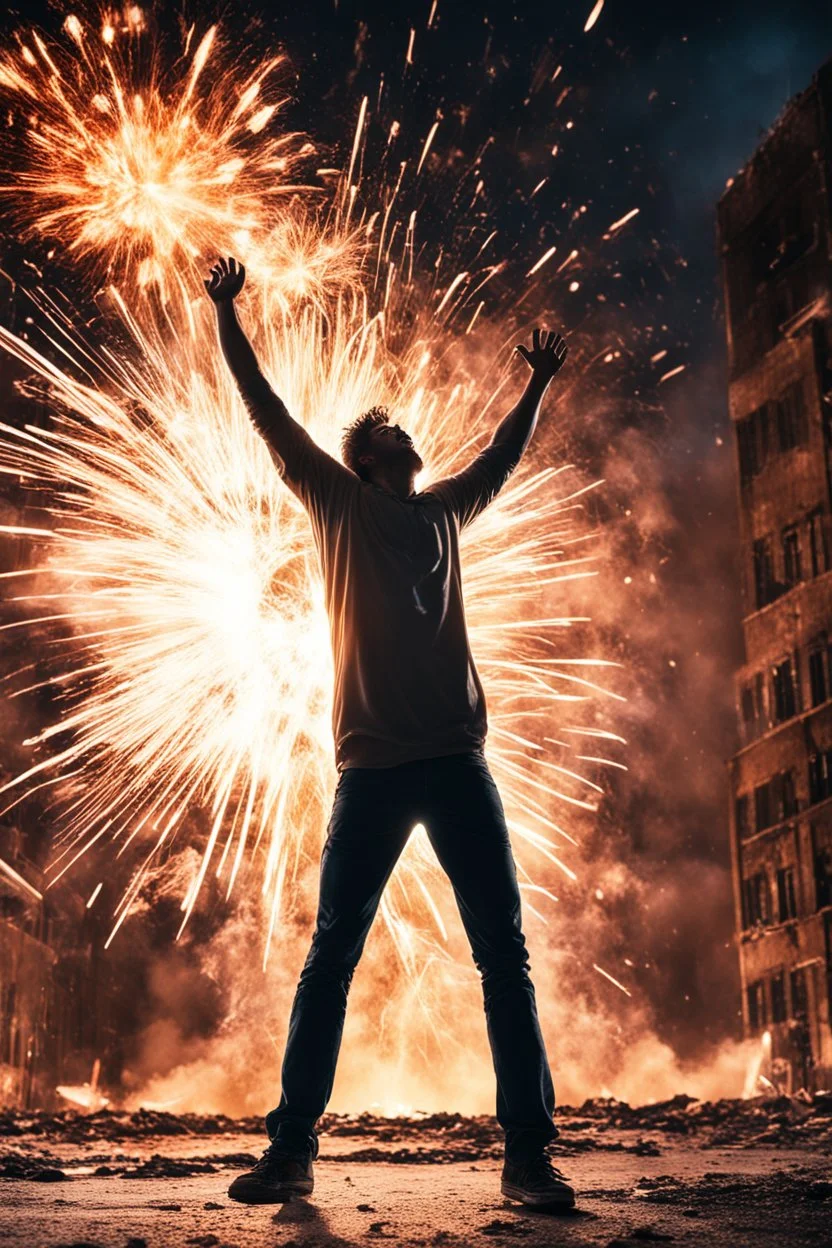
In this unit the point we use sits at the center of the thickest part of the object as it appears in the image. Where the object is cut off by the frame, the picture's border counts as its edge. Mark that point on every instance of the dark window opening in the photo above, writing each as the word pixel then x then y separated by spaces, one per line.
pixel 778 998
pixel 752 443
pixel 792 426
pixel 756 899
pixel 792 566
pixel 820 776
pixel 755 994
pixel 784 687
pixel 753 709
pixel 786 898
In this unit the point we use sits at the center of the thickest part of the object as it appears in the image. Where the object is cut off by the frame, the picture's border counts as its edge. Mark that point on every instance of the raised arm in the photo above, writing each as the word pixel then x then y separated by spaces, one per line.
pixel 316 478
pixel 470 491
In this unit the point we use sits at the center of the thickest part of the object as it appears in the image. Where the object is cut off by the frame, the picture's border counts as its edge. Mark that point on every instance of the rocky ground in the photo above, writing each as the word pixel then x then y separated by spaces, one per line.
pixel 728 1173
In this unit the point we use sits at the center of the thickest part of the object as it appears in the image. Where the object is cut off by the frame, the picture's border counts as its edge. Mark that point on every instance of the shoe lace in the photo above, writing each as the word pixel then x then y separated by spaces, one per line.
pixel 271 1154
pixel 543 1167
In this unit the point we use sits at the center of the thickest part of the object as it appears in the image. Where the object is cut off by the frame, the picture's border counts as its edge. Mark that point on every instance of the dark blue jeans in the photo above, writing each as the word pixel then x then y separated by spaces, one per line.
pixel 374 811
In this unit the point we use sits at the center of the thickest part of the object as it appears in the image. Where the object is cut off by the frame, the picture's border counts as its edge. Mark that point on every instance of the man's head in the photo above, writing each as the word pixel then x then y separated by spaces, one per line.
pixel 374 448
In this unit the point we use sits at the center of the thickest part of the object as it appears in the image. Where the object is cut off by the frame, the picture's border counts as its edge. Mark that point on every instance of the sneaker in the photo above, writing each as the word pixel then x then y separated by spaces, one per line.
pixel 537 1183
pixel 277 1176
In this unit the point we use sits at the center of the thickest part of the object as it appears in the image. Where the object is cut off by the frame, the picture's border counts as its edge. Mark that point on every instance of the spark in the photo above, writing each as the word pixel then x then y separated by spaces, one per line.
pixel 594 15
pixel 612 979
pixel 134 170
pixel 628 216
pixel 547 255
pixel 680 368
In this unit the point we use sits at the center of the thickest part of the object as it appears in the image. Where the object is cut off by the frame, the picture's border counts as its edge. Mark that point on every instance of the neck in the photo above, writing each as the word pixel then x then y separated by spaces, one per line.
pixel 398 481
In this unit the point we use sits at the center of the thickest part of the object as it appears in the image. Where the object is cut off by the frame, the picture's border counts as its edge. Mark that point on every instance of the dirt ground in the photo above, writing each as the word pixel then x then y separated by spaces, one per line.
pixel 735 1173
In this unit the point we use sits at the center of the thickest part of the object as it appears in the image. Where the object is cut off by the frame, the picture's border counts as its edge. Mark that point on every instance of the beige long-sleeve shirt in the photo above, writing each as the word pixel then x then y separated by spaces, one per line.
pixel 406 686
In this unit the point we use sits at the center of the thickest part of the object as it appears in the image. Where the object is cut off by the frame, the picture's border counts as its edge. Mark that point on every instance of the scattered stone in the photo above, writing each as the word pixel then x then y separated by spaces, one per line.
pixel 365 1208
pixel 211 1204
pixel 204 1241
pixel 819 1190
pixel 136 1241
pixel 377 1228
pixel 49 1175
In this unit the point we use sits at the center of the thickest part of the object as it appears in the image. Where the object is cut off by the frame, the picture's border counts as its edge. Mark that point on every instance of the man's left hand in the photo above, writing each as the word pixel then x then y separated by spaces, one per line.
pixel 547 354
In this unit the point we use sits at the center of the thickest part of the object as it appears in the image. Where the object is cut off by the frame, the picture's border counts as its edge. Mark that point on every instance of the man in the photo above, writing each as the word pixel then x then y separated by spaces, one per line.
pixel 409 723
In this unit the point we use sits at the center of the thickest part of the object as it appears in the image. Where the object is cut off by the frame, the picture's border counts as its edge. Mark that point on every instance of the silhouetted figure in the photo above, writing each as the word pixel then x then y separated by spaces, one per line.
pixel 409 723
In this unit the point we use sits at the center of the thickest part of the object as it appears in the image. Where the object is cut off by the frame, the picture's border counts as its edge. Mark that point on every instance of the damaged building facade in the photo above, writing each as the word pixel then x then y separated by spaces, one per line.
pixel 775 233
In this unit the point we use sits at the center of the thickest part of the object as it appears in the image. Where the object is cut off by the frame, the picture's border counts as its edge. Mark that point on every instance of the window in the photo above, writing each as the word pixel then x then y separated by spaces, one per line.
pixel 752 709
pixel 817 543
pixel 792 426
pixel 774 801
pixel 822 846
pixel 792 569
pixel 798 987
pixel 778 998
pixel 762 807
pixel 756 900
pixel 784 783
pixel 756 997
pixel 786 899
pixel 820 776
pixel 752 443
pixel 765 586
pixel 818 665
pixel 784 689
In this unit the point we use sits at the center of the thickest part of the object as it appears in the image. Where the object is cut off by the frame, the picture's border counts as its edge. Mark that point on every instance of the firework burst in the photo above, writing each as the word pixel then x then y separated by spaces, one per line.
pixel 175 574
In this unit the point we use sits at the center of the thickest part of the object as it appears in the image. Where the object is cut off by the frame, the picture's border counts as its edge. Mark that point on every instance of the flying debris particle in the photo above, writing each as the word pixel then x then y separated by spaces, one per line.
pixel 607 975
pixel 609 357
pixel 555 150
pixel 540 184
pixel 680 368
pixel 260 119
pixel 395 127
pixel 426 148
pixel 671 662
pixel 628 216
pixel 432 13
pixel 94 894
pixel 594 15
pixel 74 29
pixel 654 359
pixel 547 255
pixel 409 58
pixel 628 580
pixel 573 255
pixel 108 34
pixel 573 286
pixel 599 893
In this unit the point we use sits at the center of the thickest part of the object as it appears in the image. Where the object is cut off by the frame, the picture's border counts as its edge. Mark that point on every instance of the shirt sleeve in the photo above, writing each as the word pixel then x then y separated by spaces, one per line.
pixel 469 492
pixel 313 476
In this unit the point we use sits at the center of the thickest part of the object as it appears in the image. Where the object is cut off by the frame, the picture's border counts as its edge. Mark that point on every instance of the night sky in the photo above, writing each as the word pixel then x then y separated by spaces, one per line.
pixel 666 103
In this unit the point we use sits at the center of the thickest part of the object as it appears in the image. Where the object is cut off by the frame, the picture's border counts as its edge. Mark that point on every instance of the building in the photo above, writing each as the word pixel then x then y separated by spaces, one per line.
pixel 775 232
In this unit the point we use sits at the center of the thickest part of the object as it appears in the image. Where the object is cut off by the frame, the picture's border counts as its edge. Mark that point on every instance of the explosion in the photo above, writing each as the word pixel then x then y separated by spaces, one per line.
pixel 173 588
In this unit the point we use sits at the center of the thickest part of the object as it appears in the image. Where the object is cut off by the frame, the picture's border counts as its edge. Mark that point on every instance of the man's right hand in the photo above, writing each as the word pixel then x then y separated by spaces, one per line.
pixel 226 280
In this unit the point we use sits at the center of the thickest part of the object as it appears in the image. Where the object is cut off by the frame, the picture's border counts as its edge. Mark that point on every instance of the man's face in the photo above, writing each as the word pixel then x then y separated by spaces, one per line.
pixel 391 447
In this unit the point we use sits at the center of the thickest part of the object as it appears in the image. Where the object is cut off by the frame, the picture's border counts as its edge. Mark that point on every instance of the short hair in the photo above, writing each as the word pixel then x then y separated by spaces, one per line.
pixel 355 441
